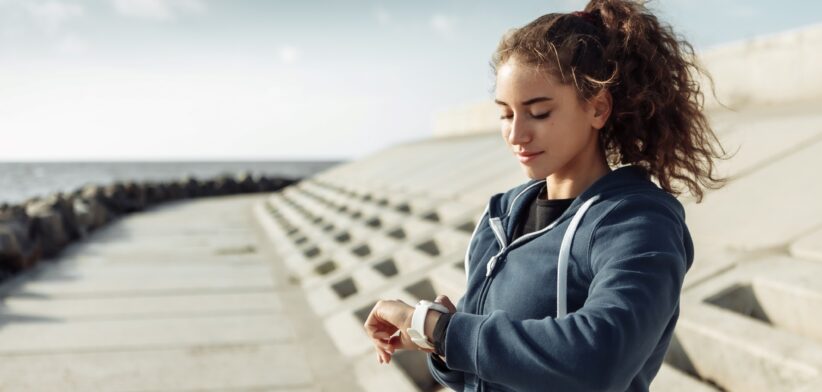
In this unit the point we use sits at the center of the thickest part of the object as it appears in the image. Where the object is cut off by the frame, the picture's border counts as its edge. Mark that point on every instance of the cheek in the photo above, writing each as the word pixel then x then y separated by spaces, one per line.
pixel 505 130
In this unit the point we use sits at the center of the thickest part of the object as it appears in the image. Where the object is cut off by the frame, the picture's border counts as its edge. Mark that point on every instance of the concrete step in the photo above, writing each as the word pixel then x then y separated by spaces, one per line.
pixel 753 328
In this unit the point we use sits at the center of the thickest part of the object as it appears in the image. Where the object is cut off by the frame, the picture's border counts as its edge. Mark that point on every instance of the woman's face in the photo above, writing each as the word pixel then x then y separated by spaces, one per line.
pixel 543 122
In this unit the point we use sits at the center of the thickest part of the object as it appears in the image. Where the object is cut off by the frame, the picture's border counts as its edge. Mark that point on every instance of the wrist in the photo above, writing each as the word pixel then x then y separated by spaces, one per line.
pixel 430 322
pixel 423 323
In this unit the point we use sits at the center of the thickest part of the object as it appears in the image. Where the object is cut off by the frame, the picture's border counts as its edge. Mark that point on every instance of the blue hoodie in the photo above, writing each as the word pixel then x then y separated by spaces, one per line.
pixel 595 316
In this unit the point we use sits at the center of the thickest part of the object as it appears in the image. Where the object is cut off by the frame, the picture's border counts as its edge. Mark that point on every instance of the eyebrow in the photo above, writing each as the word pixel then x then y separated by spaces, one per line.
pixel 528 102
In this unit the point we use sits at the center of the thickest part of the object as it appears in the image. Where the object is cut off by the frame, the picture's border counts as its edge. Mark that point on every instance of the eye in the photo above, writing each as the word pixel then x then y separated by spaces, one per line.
pixel 506 116
pixel 541 116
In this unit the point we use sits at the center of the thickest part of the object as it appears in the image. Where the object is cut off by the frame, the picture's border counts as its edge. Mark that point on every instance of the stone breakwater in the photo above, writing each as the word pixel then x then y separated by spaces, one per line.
pixel 41 227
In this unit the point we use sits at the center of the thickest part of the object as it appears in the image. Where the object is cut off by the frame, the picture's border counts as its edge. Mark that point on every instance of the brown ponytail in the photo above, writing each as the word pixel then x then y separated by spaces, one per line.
pixel 657 120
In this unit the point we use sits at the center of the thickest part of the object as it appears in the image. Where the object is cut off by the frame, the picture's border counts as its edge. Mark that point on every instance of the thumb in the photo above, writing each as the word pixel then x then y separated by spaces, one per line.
pixel 445 301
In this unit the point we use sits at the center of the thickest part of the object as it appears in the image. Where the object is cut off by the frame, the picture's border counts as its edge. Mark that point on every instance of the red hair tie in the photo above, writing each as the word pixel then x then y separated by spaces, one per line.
pixel 586 15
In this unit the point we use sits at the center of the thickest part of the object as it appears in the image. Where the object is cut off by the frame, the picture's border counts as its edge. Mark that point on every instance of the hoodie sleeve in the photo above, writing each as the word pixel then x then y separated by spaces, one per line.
pixel 444 375
pixel 639 254
pixel 453 379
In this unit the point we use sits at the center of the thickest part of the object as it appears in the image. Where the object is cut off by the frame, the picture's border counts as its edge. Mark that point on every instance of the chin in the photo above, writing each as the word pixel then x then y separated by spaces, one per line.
pixel 534 174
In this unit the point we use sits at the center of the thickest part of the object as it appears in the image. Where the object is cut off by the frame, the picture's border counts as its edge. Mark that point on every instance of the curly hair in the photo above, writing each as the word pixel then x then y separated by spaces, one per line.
pixel 619 45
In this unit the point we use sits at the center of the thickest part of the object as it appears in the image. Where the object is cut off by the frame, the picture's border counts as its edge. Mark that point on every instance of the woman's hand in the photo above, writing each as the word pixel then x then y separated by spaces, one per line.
pixel 445 301
pixel 387 318
pixel 387 323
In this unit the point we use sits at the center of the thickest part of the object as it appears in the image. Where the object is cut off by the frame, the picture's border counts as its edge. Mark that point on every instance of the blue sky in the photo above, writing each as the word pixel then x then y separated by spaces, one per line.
pixel 254 79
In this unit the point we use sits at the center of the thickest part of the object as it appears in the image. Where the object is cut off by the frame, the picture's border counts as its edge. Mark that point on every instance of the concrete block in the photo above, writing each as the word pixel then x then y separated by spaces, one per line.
pixel 740 354
pixel 376 377
pixel 140 306
pixel 798 212
pixel 808 246
pixel 759 140
pixel 50 334
pixel 753 328
pixel 227 367
pixel 323 300
pixel 669 379
pixel 147 280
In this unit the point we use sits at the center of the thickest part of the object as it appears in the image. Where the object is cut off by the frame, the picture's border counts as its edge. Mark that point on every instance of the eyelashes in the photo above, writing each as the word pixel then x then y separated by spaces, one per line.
pixel 534 116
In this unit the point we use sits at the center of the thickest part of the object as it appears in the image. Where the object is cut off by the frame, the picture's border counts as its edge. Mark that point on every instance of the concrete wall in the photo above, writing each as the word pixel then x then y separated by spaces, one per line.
pixel 471 118
pixel 768 70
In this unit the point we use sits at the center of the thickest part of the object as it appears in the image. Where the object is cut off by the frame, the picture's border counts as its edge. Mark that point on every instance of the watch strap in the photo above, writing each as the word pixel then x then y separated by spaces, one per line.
pixel 417 330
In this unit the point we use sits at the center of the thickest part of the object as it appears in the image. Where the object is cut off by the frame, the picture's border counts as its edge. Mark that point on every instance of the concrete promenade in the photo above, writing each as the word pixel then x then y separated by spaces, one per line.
pixel 182 297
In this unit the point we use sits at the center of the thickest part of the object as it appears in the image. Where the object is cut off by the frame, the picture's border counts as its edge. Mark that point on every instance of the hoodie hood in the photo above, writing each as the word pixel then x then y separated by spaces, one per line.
pixel 505 207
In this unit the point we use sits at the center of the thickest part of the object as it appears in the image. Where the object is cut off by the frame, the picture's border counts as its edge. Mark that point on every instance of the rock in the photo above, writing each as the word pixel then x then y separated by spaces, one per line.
pixel 226 185
pixel 246 183
pixel 93 197
pixel 191 186
pixel 135 197
pixel 85 215
pixel 48 226
pixel 175 191
pixel 114 198
pixel 155 193
pixel 65 207
pixel 11 254
pixel 20 247
pixel 208 187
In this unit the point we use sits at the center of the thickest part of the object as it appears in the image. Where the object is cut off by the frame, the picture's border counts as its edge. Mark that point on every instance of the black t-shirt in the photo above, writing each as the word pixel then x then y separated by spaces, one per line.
pixel 541 213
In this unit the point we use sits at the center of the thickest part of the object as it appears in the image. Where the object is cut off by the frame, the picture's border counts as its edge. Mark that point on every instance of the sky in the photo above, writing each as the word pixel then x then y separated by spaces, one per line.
pixel 85 80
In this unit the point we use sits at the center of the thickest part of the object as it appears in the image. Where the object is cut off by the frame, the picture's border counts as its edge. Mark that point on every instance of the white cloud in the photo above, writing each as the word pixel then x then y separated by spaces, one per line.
pixel 575 5
pixel 51 15
pixel 158 10
pixel 289 54
pixel 744 11
pixel 382 16
pixel 24 20
pixel 443 25
pixel 72 44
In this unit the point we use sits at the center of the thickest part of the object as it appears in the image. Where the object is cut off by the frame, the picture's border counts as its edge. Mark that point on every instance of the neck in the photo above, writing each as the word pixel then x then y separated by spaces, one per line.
pixel 576 177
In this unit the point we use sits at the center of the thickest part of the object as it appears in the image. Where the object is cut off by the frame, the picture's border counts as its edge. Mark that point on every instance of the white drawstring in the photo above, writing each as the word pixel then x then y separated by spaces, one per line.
pixel 468 248
pixel 562 262
pixel 564 254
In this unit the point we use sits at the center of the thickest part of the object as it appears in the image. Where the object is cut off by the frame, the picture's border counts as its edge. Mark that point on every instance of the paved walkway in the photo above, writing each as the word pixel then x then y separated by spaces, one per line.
pixel 181 297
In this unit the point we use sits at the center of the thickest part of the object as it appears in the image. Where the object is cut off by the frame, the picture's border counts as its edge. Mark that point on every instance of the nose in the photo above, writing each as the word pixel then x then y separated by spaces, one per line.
pixel 518 132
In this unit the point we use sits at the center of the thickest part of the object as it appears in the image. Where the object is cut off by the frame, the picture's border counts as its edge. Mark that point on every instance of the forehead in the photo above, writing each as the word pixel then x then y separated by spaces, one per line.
pixel 516 80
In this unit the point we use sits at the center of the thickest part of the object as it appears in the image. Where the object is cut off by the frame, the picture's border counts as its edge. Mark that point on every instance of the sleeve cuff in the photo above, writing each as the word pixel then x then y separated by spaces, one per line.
pixel 461 339
pixel 439 333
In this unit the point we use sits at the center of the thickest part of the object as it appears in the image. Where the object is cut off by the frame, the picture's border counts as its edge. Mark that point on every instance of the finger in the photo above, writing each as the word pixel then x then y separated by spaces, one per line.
pixel 375 324
pixel 381 335
pixel 382 354
pixel 372 323
pixel 445 301
pixel 386 316
pixel 383 345
pixel 402 342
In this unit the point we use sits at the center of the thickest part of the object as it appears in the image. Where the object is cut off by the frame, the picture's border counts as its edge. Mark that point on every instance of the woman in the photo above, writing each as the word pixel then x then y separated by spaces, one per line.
pixel 574 278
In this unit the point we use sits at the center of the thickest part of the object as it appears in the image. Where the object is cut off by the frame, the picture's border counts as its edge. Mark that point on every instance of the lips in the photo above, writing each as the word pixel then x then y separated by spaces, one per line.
pixel 528 156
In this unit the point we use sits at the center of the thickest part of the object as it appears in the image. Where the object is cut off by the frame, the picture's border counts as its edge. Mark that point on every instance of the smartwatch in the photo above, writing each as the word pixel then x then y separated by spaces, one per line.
pixel 417 330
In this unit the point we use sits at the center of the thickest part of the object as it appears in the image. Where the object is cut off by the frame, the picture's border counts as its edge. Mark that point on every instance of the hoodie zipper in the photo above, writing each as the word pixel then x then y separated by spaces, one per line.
pixel 499 233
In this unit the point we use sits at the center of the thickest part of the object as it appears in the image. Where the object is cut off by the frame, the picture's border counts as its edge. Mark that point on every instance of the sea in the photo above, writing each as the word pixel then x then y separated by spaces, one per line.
pixel 23 180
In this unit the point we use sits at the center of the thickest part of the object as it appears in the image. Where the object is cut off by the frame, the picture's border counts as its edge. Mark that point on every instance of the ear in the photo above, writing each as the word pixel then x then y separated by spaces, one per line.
pixel 601 105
